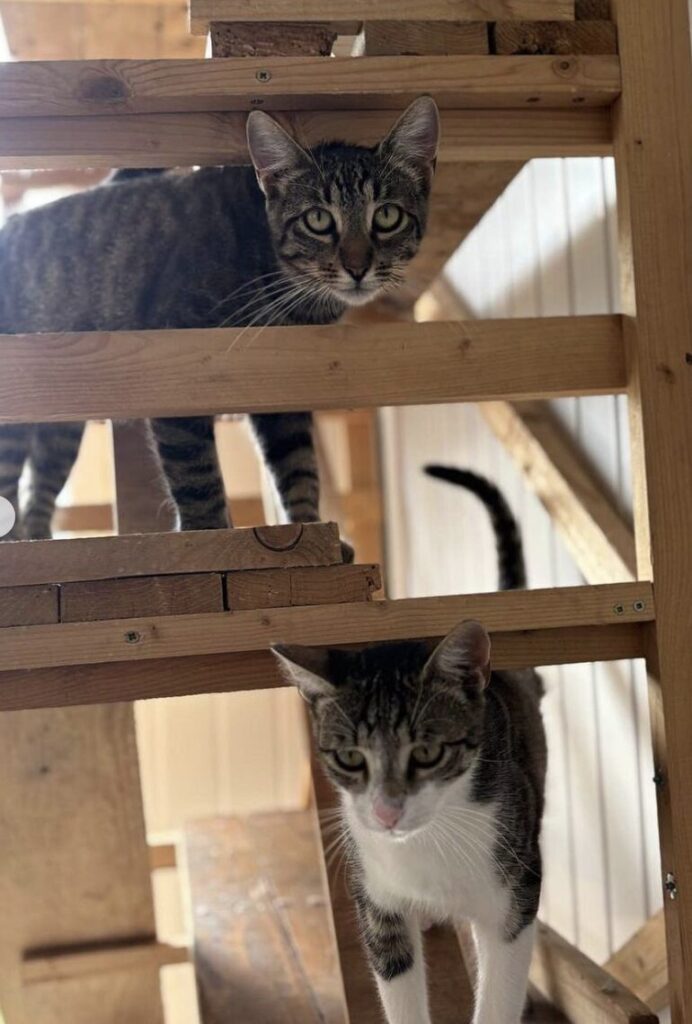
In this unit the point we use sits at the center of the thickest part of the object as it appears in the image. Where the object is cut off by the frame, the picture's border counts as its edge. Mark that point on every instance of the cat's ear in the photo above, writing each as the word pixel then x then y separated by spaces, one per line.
pixel 464 654
pixel 416 135
pixel 306 668
pixel 272 149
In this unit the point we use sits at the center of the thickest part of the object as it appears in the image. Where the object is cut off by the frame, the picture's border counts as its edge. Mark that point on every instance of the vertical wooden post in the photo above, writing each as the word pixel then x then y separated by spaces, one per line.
pixel 653 135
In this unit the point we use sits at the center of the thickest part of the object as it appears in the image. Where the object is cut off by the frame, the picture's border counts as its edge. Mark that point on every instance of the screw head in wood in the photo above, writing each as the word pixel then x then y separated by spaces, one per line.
pixel 263 76
pixel 671 886
pixel 639 606
pixel 132 637
pixel 618 609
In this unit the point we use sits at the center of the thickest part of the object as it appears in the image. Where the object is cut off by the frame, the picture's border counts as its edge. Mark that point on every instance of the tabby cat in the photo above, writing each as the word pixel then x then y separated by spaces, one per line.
pixel 296 240
pixel 440 764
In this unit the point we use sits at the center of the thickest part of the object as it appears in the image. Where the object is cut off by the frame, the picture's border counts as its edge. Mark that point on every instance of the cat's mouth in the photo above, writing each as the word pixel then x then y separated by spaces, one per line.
pixel 357 294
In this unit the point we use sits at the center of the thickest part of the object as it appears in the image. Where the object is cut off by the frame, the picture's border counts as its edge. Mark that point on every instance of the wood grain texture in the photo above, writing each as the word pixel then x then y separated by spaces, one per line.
pixel 81 88
pixel 642 964
pixel 67 964
pixel 598 538
pixel 128 640
pixel 175 373
pixel 180 140
pixel 150 595
pixel 558 37
pixel 224 673
pixel 262 941
pixel 346 14
pixel 105 558
pixel 579 987
pixel 418 38
pixel 270 39
pixel 590 10
pixel 29 606
pixel 654 158
pixel 280 588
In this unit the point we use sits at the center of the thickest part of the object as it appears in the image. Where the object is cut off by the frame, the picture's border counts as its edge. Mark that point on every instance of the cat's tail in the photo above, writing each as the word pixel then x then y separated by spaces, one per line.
pixel 510 551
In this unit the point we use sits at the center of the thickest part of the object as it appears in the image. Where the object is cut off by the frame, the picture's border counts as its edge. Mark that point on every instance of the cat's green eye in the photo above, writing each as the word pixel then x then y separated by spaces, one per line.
pixel 319 221
pixel 351 760
pixel 389 217
pixel 427 755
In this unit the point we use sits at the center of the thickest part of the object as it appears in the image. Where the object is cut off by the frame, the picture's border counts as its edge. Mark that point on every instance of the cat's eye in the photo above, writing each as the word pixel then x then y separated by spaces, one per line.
pixel 350 759
pixel 389 217
pixel 427 755
pixel 319 221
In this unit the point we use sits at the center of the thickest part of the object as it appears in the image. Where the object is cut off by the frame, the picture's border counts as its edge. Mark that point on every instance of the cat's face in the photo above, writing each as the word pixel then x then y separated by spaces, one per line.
pixel 347 219
pixel 395 726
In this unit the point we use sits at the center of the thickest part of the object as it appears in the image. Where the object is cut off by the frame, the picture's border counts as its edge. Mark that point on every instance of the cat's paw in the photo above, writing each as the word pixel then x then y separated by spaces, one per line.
pixel 347 552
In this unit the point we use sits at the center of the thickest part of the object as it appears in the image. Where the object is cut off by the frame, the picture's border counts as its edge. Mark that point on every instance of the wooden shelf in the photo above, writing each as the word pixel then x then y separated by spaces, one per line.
pixel 186 373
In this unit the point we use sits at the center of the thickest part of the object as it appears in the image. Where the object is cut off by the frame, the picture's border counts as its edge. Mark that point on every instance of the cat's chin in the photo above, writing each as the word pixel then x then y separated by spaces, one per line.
pixel 357 296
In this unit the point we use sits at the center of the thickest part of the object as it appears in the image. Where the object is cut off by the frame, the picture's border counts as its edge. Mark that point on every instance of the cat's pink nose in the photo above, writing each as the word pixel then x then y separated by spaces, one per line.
pixel 386 814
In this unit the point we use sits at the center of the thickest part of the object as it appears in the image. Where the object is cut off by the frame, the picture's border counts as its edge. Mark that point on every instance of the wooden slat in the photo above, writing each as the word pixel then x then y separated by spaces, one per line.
pixel 642 965
pixel 270 39
pixel 558 37
pixel 60 965
pixel 222 673
pixel 81 88
pixel 278 369
pixel 599 539
pixel 350 12
pixel 105 558
pixel 179 140
pixel 82 518
pixel 384 38
pixel 579 987
pixel 151 595
pixel 29 606
pixel 128 640
pixel 654 177
pixel 281 588
pixel 590 10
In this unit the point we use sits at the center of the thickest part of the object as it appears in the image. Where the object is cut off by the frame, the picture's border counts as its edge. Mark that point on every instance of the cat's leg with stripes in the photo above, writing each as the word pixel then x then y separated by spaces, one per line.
pixel 187 450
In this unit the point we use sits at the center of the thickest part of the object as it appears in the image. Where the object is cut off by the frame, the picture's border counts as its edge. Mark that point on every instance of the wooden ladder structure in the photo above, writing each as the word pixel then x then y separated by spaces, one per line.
pixel 93 622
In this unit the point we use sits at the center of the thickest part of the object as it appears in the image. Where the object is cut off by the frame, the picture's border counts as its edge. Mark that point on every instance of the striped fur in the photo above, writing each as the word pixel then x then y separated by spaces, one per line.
pixel 215 247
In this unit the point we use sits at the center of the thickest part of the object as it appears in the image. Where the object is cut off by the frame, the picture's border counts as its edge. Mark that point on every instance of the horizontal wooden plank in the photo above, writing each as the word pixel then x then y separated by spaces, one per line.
pixel 82 88
pixel 579 987
pixel 105 558
pixel 128 640
pixel 179 140
pixel 257 670
pixel 642 964
pixel 149 595
pixel 346 12
pixel 556 37
pixel 105 958
pixel 29 606
pixel 383 38
pixel 129 375
pixel 282 588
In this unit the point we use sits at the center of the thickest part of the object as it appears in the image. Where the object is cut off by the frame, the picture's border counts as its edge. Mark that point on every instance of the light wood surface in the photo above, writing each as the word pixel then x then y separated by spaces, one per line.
pixel 180 140
pixel 127 640
pixel 654 177
pixel 642 964
pixel 195 551
pixel 279 369
pixel 101 958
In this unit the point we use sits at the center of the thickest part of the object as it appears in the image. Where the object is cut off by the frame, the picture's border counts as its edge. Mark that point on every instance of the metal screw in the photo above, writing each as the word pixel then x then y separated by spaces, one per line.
pixel 671 886
pixel 639 606
pixel 565 65
pixel 618 609
pixel 658 778
pixel 263 76
pixel 256 101
pixel 133 637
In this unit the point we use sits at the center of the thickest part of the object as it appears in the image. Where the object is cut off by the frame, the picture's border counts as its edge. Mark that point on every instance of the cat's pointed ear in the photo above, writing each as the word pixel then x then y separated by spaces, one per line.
pixel 272 149
pixel 463 655
pixel 306 668
pixel 416 135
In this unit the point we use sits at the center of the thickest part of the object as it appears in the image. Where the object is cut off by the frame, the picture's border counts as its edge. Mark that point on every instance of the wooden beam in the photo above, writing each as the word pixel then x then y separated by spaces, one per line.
pixel 128 640
pixel 180 140
pixel 600 541
pixel 349 13
pixel 163 554
pixel 284 588
pixel 224 673
pixel 29 606
pixel 70 964
pixel 281 369
pixel 590 10
pixel 653 132
pixel 418 38
pixel 557 37
pixel 271 39
pixel 95 600
pixel 83 88
pixel 83 518
pixel 579 987
pixel 642 964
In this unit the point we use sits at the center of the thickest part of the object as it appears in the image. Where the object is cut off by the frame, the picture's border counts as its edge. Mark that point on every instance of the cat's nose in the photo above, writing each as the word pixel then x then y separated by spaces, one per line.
pixel 386 813
pixel 357 272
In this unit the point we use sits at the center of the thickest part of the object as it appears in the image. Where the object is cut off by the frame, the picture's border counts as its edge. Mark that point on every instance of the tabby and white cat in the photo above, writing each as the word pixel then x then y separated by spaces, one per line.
pixel 440 764
pixel 296 240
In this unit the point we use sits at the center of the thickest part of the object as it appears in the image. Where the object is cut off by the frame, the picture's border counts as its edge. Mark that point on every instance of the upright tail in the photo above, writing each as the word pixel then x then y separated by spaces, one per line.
pixel 510 551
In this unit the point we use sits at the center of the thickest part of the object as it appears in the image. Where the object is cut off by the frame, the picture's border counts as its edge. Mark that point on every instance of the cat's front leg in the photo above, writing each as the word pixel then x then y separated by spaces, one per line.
pixel 394 949
pixel 503 972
